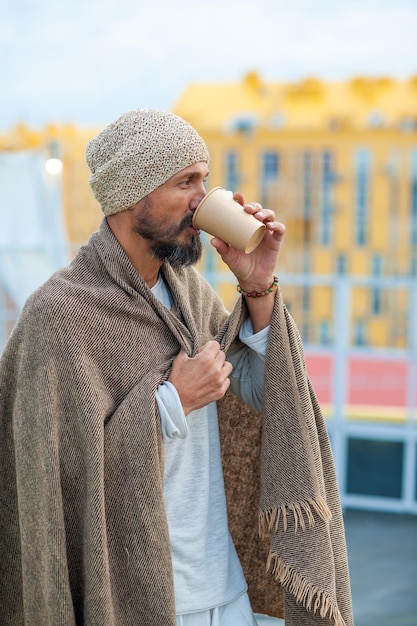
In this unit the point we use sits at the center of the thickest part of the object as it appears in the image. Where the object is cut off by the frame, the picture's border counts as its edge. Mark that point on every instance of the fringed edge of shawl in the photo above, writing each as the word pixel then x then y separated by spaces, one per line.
pixel 270 520
pixel 312 598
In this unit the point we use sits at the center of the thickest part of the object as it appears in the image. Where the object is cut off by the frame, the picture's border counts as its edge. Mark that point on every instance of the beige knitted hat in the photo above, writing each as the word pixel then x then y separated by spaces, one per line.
pixel 137 153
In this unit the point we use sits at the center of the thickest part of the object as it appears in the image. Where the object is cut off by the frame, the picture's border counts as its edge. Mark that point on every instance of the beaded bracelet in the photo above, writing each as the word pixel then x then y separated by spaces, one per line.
pixel 258 294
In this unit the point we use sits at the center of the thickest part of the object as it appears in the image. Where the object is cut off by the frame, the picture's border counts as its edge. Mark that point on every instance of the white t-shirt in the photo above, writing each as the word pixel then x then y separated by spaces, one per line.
pixel 207 571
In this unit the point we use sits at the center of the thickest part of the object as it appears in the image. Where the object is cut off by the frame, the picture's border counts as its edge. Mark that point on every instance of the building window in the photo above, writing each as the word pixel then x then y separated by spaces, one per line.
pixel 307 196
pixel 306 298
pixel 270 165
pixel 277 120
pixel 359 333
pixel 362 184
pixel 231 170
pixel 413 198
pixel 324 333
pixel 326 198
pixel 376 297
pixel 307 184
pixel 376 301
pixel 376 119
pixel 415 477
pixel 375 468
pixel 408 124
pixel 306 264
pixel 269 173
pixel 341 264
pixel 243 123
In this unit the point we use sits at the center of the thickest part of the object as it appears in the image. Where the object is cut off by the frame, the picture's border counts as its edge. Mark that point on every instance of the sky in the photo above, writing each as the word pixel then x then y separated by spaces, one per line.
pixel 88 61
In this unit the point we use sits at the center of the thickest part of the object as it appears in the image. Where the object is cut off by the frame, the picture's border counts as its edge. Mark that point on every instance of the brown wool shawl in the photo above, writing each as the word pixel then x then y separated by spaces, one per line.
pixel 83 530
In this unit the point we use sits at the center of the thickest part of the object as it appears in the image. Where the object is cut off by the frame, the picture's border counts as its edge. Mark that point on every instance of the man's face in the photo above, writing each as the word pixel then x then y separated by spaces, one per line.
pixel 164 217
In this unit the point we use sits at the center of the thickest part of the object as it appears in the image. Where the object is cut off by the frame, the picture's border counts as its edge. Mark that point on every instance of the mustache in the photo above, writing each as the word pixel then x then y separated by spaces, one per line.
pixel 185 223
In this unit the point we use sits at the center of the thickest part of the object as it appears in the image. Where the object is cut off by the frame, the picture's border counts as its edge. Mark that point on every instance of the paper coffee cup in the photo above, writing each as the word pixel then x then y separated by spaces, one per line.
pixel 221 216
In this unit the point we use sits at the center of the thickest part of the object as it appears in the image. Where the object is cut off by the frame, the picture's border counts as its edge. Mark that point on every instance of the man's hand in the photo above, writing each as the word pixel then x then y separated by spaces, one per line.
pixel 201 379
pixel 254 271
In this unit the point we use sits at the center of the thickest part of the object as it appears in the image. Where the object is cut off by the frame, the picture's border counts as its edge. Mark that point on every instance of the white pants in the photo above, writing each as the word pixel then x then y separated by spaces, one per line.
pixel 236 613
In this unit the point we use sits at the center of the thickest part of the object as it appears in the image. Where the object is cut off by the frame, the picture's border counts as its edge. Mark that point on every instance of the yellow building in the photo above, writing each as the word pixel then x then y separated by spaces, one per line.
pixel 336 161
pixel 338 164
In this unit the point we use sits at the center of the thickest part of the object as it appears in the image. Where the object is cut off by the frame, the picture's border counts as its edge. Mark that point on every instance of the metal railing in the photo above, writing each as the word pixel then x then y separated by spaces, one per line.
pixel 361 433
pixel 368 394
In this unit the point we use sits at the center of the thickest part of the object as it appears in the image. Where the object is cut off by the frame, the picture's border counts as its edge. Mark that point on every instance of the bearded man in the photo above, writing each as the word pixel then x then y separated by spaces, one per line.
pixel 119 431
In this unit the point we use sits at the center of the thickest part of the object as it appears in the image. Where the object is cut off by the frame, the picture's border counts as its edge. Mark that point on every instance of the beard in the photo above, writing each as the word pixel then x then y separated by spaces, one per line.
pixel 163 239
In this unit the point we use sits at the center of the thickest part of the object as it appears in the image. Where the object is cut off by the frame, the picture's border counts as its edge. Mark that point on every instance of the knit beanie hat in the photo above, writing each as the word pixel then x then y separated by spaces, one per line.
pixel 137 153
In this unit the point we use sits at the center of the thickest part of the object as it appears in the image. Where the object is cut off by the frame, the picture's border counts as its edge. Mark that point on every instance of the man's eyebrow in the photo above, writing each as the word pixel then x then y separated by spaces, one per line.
pixel 198 175
pixel 195 174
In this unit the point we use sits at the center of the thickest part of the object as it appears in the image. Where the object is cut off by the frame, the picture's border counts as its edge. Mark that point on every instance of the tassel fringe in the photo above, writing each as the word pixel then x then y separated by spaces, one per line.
pixel 306 594
pixel 270 520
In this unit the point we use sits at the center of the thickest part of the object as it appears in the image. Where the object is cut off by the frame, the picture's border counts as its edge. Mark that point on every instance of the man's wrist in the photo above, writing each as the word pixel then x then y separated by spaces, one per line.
pixel 257 291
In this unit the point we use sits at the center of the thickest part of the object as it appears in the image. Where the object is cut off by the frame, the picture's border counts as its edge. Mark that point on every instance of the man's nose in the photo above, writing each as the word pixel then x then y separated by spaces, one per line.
pixel 198 198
